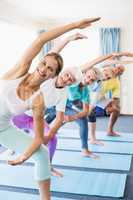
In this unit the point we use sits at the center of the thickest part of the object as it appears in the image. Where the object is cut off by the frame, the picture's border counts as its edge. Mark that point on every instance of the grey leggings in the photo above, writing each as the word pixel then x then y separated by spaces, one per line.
pixel 17 140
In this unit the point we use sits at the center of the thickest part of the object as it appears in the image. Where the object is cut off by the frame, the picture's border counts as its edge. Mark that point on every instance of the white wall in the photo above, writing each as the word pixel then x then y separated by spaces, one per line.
pixel 81 51
pixel 13 41
pixel 127 78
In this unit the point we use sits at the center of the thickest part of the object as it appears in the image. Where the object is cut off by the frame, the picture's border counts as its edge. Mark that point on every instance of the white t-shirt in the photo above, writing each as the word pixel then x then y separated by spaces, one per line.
pixel 54 96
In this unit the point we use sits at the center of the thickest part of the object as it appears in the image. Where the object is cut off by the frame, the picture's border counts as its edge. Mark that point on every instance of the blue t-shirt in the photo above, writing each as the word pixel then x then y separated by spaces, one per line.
pixel 95 87
pixel 75 92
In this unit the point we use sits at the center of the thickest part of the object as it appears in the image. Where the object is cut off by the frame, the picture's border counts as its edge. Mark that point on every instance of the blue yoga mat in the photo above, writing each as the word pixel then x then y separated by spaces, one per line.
pixel 100 135
pixel 105 161
pixel 10 195
pixel 75 182
pixel 124 137
pixel 7 195
pixel 75 159
pixel 109 147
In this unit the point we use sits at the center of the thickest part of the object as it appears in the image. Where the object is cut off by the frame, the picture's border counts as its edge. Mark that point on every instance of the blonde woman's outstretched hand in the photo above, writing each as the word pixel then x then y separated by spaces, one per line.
pixel 17 161
pixel 86 22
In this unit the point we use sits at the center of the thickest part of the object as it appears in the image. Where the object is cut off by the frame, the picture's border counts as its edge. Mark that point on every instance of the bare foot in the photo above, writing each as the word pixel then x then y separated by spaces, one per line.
pixel 114 134
pixel 87 153
pixel 56 173
pixel 97 142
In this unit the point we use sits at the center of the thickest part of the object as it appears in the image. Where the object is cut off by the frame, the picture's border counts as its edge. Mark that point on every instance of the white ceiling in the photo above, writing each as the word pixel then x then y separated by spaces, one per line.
pixel 39 13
